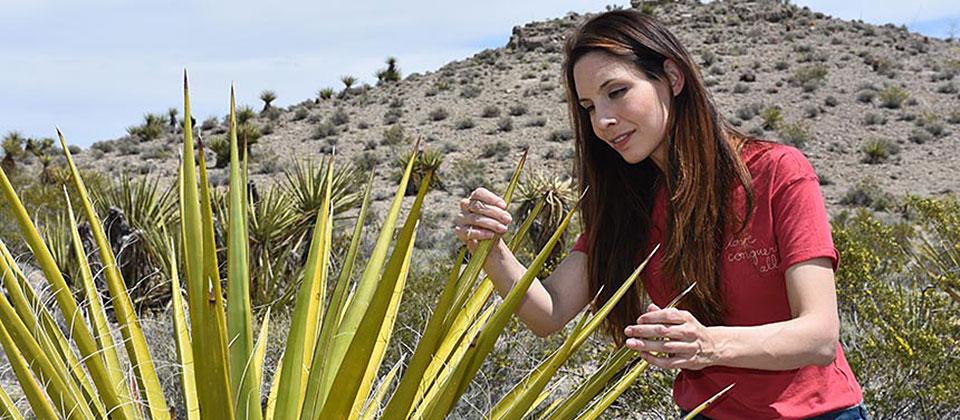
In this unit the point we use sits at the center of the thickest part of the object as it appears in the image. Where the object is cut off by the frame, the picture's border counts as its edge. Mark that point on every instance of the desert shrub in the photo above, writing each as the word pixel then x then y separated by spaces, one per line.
pixel 747 112
pixel 920 136
pixel 151 128
pixel 741 88
pixel 831 101
pixel 105 146
pixel 324 130
pixel 772 118
pixel 339 117
pixel 505 124
pixel 560 135
pixel 892 97
pixel 781 65
pixel 518 110
pixel 366 160
pixel 708 58
pixel 537 122
pixel 465 123
pixel 809 77
pixel 796 134
pixel 438 114
pixel 879 150
pixel 469 174
pixel 392 116
pixel 899 327
pixel 811 111
pixel 866 96
pixel 470 91
pixel 209 124
pixel 497 150
pixel 300 114
pixel 490 111
pixel 867 193
pixel 394 136
pixel 874 118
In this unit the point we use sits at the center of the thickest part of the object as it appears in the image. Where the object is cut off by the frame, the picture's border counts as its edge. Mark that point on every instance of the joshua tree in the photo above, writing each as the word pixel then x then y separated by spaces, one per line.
pixel 391 73
pixel 348 81
pixel 267 97
pixel 12 150
pixel 172 113
pixel 325 93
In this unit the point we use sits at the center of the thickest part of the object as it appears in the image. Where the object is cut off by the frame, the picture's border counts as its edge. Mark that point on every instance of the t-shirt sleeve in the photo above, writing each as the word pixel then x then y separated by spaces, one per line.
pixel 799 215
pixel 580 244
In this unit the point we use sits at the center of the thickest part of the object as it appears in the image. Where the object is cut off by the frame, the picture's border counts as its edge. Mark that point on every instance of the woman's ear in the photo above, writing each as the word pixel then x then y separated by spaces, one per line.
pixel 674 76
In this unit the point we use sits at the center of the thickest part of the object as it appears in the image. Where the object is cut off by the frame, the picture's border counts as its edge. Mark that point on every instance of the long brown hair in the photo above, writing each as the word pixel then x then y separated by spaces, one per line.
pixel 703 167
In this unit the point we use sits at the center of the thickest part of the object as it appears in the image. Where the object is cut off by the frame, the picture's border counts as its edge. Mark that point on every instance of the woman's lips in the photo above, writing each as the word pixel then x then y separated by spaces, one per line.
pixel 621 141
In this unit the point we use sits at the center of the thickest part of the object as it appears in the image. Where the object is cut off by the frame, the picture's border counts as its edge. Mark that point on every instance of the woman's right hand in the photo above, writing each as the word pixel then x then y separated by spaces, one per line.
pixel 483 215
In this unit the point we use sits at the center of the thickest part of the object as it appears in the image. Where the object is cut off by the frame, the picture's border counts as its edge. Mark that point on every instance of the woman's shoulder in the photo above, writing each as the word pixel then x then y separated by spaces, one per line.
pixel 772 160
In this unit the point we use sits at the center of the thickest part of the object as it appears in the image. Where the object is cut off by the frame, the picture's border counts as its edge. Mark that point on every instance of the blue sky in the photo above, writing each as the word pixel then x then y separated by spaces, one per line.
pixel 95 68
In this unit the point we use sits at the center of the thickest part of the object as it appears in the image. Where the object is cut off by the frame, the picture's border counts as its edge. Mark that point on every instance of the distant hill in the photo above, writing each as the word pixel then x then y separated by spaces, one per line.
pixel 863 102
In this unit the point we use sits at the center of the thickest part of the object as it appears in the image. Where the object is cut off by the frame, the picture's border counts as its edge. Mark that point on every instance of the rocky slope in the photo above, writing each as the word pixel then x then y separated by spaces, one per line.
pixel 841 88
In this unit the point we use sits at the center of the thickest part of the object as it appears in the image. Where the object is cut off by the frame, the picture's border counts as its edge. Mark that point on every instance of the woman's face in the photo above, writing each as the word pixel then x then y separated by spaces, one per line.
pixel 627 110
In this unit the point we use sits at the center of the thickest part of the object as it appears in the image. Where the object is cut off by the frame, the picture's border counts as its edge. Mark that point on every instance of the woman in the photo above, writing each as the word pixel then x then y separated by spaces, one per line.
pixel 743 218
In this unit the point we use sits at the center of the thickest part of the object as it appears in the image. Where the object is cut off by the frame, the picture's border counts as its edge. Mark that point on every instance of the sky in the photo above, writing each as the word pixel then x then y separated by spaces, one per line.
pixel 94 68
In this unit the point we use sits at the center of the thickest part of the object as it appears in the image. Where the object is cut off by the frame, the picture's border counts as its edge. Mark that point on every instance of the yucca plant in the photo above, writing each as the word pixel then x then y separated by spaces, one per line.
pixel 425 161
pixel 558 197
pixel 335 344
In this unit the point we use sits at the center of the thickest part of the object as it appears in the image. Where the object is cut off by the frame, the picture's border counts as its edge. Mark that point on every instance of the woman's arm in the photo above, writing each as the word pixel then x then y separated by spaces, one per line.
pixel 809 338
pixel 547 305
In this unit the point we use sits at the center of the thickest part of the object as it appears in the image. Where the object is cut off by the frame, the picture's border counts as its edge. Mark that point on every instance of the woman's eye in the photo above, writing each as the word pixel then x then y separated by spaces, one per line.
pixel 618 92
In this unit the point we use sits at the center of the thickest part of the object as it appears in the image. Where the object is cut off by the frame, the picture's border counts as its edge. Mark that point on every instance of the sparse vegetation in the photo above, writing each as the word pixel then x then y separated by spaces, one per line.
pixel 879 150
pixel 892 97
pixel 390 74
pixel 796 134
pixel 490 111
pixel 772 118
pixel 438 114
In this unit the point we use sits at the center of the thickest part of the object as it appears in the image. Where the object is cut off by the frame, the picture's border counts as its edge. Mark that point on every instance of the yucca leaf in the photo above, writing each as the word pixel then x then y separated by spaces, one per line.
pixel 389 291
pixel 274 388
pixel 703 406
pixel 239 325
pixel 301 337
pixel 615 391
pixel 133 339
pixel 595 383
pixel 31 389
pixel 516 404
pixel 355 374
pixel 213 386
pixel 524 392
pixel 338 300
pixel 182 338
pixel 214 316
pixel 68 306
pixel 98 318
pixel 8 410
pixel 366 287
pixel 400 404
pixel 46 331
pixel 439 340
pixel 488 337
pixel 479 255
pixel 65 400
pixel 447 367
pixel 373 407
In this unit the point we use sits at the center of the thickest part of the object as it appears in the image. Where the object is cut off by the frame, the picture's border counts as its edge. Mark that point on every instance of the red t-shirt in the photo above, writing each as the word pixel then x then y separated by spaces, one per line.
pixel 789 225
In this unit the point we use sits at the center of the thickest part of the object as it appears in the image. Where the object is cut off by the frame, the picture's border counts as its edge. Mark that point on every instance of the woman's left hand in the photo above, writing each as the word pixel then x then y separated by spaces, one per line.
pixel 675 334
